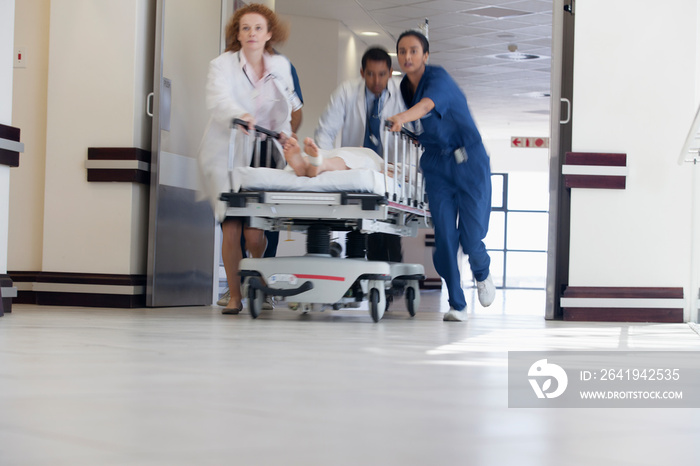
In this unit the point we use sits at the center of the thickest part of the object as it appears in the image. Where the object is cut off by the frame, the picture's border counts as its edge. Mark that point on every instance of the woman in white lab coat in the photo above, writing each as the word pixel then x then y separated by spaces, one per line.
pixel 252 83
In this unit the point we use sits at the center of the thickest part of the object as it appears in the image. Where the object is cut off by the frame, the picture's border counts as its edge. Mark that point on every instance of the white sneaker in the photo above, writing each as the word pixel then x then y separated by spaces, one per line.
pixel 225 298
pixel 269 303
pixel 453 315
pixel 486 291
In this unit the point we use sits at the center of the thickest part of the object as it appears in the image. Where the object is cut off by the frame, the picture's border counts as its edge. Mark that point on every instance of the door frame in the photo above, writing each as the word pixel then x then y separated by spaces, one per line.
pixel 561 119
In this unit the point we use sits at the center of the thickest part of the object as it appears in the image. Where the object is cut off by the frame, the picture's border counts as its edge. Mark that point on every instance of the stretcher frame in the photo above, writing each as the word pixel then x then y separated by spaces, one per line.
pixel 316 280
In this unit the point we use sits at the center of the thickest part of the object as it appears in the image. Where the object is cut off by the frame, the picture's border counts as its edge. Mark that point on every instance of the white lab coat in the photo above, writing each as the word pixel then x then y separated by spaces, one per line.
pixel 229 95
pixel 347 113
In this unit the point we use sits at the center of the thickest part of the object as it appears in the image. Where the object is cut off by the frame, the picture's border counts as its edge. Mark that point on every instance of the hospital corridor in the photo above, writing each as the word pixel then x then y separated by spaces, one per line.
pixel 349 232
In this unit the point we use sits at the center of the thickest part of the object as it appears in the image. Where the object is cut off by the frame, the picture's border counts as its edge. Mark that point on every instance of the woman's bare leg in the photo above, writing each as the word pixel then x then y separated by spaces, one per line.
pixel 255 241
pixel 231 254
pixel 292 154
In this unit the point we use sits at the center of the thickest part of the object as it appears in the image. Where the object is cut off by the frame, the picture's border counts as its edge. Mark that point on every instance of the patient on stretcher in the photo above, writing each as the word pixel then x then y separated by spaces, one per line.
pixel 316 160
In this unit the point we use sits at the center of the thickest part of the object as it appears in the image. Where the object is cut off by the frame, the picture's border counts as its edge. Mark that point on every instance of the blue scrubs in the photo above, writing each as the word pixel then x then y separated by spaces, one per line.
pixel 459 194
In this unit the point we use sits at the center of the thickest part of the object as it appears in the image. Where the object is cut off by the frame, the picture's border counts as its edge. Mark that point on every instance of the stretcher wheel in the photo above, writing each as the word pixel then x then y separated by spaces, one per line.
pixel 412 295
pixel 411 300
pixel 377 299
pixel 255 301
pixel 374 304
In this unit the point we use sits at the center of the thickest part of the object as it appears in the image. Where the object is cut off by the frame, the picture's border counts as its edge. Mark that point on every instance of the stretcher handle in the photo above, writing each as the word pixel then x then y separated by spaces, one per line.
pixel 259 129
pixel 408 133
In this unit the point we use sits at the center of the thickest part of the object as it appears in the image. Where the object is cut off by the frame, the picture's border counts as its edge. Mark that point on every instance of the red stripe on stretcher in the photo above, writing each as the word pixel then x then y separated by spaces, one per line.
pixel 321 277
pixel 406 208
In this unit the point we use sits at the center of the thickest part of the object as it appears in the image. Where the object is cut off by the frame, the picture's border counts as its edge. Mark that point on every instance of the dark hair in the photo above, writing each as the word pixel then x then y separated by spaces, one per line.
pixel 376 54
pixel 279 30
pixel 412 32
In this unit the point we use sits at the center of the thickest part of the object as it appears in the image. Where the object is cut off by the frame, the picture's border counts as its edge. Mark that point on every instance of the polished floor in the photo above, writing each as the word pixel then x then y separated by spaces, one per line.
pixel 188 386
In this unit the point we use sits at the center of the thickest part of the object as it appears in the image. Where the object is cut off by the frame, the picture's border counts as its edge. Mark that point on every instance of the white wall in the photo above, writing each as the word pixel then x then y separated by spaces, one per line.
pixel 313 49
pixel 350 51
pixel 29 114
pixel 505 158
pixel 86 90
pixel 7 28
pixel 635 91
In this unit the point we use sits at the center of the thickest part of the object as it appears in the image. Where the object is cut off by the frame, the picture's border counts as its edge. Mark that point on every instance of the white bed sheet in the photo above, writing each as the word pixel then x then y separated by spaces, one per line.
pixel 270 179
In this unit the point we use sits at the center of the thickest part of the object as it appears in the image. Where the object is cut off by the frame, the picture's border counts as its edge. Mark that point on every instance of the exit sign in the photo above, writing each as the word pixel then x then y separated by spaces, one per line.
pixel 531 143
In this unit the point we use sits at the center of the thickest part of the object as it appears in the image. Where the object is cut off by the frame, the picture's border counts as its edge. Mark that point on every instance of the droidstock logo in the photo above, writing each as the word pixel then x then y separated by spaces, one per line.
pixel 541 375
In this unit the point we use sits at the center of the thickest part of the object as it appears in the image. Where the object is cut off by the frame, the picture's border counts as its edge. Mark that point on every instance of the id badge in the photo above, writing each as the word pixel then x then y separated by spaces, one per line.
pixel 461 155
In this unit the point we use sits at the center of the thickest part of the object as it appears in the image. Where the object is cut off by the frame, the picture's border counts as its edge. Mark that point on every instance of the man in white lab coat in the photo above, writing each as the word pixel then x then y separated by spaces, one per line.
pixel 357 110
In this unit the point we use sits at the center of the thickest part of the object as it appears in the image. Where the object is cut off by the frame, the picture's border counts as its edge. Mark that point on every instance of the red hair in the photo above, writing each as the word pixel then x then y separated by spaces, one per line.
pixel 279 30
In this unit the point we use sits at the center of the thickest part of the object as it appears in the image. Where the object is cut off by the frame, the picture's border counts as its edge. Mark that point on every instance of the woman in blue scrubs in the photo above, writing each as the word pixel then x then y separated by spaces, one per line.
pixel 455 167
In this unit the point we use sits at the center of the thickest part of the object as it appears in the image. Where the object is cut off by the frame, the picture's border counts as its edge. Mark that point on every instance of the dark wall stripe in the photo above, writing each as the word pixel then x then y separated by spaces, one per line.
pixel 622 292
pixel 5 303
pixel 623 315
pixel 55 298
pixel 615 314
pixel 119 175
pixel 9 158
pixel 431 284
pixel 131 175
pixel 595 181
pixel 119 153
pixel 78 278
pixel 89 300
pixel 596 158
pixel 9 132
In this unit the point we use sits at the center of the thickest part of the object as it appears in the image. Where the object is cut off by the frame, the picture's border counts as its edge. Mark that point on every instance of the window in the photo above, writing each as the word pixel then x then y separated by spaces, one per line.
pixel 518 229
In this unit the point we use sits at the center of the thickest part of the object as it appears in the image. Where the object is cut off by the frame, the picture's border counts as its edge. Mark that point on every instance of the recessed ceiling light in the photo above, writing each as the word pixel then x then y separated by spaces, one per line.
pixel 535 95
pixel 396 73
pixel 369 33
pixel 496 12
pixel 392 54
pixel 516 56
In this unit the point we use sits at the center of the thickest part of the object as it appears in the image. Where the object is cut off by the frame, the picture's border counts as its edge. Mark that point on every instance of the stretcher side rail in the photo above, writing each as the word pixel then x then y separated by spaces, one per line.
pixel 253 138
pixel 241 199
pixel 407 185
pixel 410 190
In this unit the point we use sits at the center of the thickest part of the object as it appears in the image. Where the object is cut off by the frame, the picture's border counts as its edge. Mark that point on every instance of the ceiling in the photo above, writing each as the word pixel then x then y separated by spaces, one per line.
pixel 505 95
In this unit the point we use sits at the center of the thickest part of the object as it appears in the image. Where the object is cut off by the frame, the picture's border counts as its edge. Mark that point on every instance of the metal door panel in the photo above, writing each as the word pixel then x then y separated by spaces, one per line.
pixel 563 21
pixel 181 227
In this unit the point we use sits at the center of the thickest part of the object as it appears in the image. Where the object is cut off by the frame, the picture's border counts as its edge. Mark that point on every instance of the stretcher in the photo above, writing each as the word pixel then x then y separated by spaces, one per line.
pixel 355 201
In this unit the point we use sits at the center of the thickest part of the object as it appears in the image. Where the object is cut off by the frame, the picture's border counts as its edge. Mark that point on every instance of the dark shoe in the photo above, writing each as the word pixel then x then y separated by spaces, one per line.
pixel 231 311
